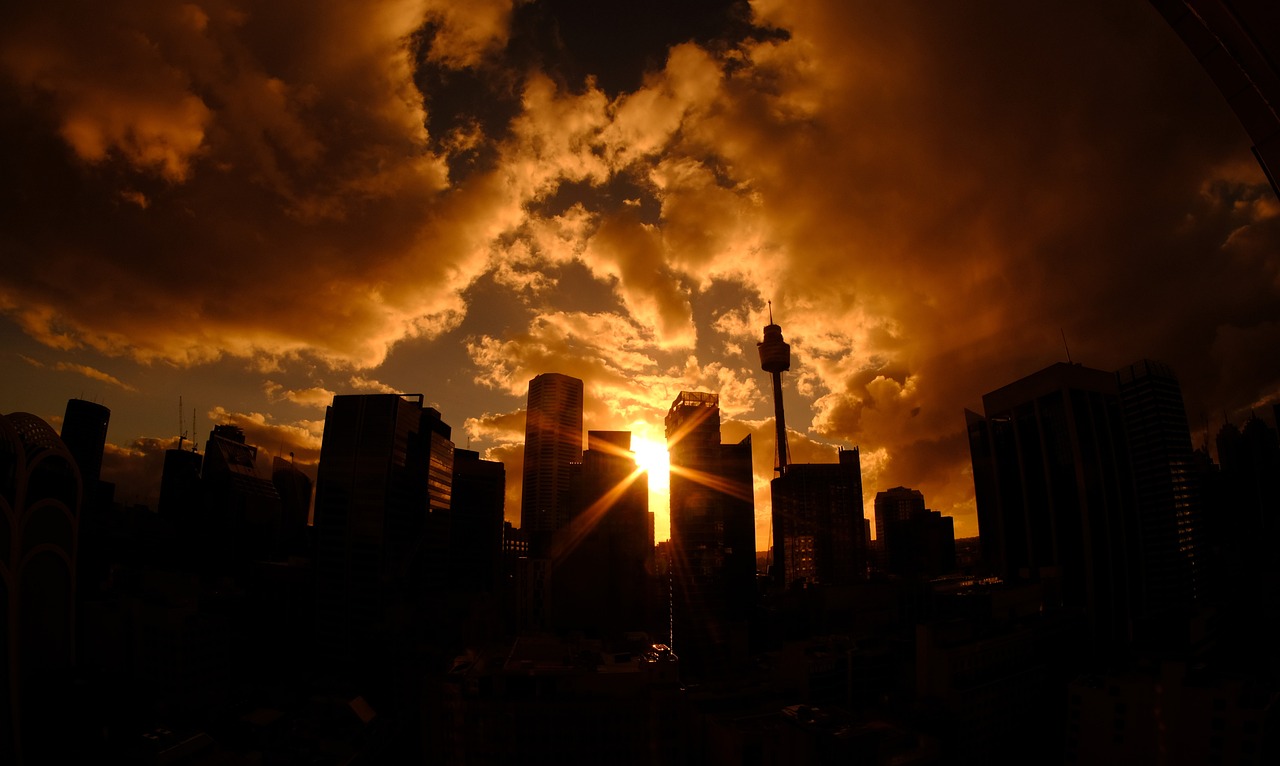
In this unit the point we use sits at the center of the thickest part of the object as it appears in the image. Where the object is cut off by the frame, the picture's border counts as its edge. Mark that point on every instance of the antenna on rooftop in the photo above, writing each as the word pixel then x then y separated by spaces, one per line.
pixel 182 435
pixel 1064 344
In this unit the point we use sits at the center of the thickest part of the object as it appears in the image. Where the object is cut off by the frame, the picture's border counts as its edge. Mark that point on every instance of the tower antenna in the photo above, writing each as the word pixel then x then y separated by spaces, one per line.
pixel 182 435
pixel 1064 344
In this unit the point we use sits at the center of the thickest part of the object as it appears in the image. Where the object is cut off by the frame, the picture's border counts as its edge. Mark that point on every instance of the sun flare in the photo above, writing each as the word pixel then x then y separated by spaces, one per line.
pixel 652 456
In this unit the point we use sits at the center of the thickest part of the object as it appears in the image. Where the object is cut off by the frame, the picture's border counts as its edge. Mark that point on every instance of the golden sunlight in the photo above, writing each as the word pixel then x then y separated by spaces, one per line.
pixel 652 456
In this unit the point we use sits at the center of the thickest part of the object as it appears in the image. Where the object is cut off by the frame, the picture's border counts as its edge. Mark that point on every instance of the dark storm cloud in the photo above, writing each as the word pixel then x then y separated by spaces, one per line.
pixel 199 180
pixel 930 194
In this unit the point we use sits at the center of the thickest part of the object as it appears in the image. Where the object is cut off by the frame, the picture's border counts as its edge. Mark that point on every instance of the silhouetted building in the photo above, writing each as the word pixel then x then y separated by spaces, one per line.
pixel 294 488
pixel 1168 498
pixel 542 701
pixel 712 533
pixel 181 504
pixel 370 515
pixel 1055 492
pixel 433 563
pixel 479 501
pixel 40 495
pixel 599 577
pixel 818 526
pixel 897 504
pixel 552 441
pixel 914 541
pixel 242 509
pixel 84 432
pixel 1252 474
pixel 1173 713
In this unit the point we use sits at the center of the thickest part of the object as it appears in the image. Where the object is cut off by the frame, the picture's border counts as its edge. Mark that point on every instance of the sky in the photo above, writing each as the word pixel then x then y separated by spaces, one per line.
pixel 253 206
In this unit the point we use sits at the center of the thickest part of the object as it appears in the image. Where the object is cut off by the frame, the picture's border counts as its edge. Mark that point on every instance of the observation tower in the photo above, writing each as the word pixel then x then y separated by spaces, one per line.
pixel 775 359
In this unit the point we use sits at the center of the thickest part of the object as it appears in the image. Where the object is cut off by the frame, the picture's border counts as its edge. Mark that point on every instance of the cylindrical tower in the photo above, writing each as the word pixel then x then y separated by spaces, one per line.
pixel 775 358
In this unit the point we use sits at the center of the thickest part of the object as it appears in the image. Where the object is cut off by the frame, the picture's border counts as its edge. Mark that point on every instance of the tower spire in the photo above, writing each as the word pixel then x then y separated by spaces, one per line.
pixel 775 358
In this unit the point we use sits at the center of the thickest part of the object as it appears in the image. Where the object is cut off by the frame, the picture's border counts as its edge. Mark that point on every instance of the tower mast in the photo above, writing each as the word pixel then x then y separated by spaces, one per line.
pixel 775 358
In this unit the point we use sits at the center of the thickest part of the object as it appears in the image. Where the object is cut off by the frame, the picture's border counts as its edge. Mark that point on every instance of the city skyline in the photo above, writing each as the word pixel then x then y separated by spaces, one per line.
pixel 933 200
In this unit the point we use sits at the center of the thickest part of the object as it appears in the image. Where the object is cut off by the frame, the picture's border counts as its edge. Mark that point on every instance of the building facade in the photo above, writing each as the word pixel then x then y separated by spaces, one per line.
pixel 371 512
pixel 552 442
pixel 1055 493
pixel 712 533
pixel 818 525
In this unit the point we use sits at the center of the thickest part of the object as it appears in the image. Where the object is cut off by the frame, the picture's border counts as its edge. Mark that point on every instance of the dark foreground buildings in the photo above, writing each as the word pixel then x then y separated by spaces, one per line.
pixel 818 528
pixel 552 442
pixel 373 495
pixel 712 535
pixel 1088 489
pixel 40 494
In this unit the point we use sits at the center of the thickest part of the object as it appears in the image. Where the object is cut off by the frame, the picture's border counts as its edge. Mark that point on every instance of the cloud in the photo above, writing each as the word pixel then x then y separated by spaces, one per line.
pixel 93 374
pixel 361 383
pixel 293 204
pixel 930 197
pixel 301 438
pixel 315 396
pixel 631 253
pixel 466 33
pixel 500 427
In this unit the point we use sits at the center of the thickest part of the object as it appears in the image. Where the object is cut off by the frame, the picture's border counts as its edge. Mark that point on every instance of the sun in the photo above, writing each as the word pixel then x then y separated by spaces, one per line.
pixel 651 456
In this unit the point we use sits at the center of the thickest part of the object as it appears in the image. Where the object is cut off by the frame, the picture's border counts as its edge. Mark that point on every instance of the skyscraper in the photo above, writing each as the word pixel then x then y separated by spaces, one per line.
pixel 39 518
pixel 242 509
pixel 371 511
pixel 294 488
pixel 1167 493
pixel 913 540
pixel 552 442
pixel 475 546
pixel 599 577
pixel 1055 492
pixel 712 531
pixel 897 504
pixel 818 523
pixel 84 431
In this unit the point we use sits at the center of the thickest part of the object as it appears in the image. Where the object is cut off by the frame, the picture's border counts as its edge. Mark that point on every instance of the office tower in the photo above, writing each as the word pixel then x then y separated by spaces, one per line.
pixel 436 434
pixel 913 540
pixel 897 504
pixel 712 532
pixel 599 576
pixel 242 509
pixel 294 488
pixel 818 525
pixel 84 432
pixel 775 358
pixel 1055 492
pixel 1168 498
pixel 179 501
pixel 479 500
pixel 552 441
pixel 40 494
pixel 371 511
pixel 433 565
